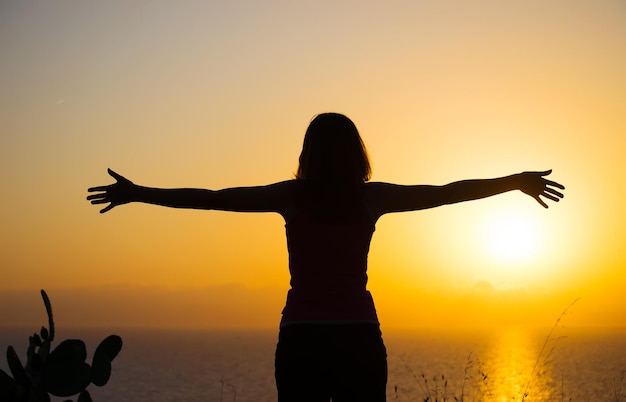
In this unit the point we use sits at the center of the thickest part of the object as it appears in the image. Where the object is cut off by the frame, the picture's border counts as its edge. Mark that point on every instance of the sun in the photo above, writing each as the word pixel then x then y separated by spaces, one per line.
pixel 512 237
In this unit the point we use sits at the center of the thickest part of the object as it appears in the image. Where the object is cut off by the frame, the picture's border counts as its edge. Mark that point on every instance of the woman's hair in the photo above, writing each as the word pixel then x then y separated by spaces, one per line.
pixel 333 152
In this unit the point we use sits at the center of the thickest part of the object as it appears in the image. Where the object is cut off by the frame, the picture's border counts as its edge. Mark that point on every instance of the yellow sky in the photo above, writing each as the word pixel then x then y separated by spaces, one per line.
pixel 197 94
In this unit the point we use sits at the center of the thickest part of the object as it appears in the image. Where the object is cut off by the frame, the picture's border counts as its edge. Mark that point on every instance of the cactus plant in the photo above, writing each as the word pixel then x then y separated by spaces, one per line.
pixel 61 372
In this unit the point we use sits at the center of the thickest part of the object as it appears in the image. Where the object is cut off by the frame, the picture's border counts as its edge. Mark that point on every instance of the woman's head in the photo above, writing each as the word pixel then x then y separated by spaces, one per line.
pixel 333 152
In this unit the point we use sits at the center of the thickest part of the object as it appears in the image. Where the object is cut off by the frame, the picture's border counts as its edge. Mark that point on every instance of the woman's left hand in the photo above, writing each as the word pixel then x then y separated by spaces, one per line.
pixel 535 184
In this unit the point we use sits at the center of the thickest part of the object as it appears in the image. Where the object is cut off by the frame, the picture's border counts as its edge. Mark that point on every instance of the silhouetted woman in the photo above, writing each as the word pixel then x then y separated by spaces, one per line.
pixel 330 345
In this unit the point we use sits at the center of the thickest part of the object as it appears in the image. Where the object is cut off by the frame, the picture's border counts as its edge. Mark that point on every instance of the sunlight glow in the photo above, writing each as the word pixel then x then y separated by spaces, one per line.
pixel 512 238
pixel 216 94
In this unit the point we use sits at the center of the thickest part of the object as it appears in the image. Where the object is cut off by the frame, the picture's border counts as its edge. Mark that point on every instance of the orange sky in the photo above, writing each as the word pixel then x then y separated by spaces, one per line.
pixel 198 94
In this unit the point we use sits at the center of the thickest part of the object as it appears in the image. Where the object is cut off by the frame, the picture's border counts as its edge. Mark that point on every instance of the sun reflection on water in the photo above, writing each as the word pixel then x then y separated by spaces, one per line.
pixel 514 368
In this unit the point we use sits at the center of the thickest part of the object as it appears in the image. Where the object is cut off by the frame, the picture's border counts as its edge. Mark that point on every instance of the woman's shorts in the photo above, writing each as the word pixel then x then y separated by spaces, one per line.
pixel 320 362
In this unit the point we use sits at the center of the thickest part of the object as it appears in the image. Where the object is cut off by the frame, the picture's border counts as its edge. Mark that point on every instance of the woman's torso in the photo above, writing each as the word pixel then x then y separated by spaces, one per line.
pixel 328 244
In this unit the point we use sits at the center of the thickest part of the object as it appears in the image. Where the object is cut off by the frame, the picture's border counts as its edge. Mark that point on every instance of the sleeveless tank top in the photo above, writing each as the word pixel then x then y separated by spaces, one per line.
pixel 328 267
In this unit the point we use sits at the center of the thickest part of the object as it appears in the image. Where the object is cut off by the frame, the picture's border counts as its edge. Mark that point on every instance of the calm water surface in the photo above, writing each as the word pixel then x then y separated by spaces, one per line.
pixel 237 365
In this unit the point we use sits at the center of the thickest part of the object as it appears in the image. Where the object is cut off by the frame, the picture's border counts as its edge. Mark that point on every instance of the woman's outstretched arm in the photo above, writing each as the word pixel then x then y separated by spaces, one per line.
pixel 385 197
pixel 270 198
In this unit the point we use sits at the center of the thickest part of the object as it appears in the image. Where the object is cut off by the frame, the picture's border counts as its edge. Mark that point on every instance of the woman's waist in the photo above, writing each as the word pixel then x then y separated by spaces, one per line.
pixel 346 302
pixel 329 306
pixel 329 292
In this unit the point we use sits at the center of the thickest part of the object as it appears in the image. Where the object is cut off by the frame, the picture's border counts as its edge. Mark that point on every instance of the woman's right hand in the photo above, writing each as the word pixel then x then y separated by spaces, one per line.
pixel 121 192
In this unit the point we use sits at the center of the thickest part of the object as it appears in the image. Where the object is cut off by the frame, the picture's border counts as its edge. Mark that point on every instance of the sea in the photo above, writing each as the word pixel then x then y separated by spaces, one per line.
pixel 505 364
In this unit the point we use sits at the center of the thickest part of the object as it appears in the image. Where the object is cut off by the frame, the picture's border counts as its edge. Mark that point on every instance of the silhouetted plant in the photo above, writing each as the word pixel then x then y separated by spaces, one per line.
pixel 61 372
pixel 542 357
pixel 436 389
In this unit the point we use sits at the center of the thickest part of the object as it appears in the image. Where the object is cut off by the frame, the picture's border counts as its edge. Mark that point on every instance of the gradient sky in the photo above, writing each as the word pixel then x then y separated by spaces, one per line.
pixel 217 94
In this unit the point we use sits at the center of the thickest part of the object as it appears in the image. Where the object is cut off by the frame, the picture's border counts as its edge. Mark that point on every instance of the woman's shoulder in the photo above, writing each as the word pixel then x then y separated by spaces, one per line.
pixel 375 188
pixel 377 194
pixel 285 185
